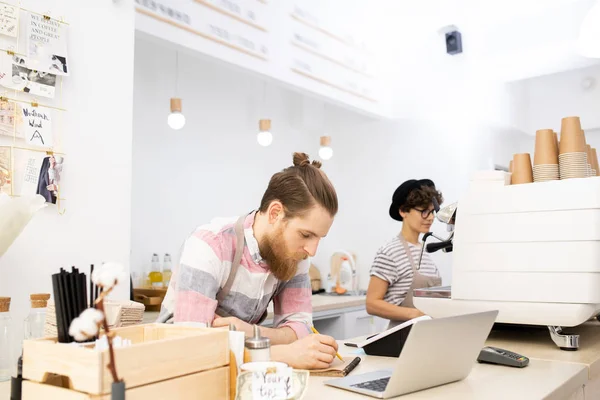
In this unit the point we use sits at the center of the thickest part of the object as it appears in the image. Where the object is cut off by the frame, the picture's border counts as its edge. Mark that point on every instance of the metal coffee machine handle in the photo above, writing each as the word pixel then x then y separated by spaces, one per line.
pixel 446 215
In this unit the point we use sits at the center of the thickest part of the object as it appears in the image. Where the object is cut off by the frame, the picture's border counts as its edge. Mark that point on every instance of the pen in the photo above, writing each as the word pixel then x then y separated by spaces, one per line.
pixel 336 354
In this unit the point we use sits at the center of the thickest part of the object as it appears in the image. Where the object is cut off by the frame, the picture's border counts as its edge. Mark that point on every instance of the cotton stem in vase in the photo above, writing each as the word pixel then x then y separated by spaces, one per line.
pixel 87 325
pixel 109 335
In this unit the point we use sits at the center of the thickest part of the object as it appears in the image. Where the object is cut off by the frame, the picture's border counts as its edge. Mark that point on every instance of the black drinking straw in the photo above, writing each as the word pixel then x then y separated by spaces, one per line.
pixel 82 291
pixel 91 287
pixel 58 307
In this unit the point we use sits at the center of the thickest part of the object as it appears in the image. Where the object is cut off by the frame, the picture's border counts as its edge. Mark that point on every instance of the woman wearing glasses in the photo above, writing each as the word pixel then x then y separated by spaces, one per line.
pixel 396 271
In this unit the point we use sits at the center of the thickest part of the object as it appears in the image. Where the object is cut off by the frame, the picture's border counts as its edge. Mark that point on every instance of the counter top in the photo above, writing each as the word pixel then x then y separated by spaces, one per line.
pixel 535 342
pixel 551 380
pixel 541 379
pixel 320 303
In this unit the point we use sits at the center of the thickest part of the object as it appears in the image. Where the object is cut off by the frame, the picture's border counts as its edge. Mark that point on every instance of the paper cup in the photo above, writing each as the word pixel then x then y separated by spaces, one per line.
pixel 570 125
pixel 595 161
pixel 546 151
pixel 572 138
pixel 522 171
pixel 546 172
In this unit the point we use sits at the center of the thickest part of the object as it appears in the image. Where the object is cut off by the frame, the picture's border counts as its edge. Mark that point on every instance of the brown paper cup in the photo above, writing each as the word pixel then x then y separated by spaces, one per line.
pixel 570 125
pixel 572 142
pixel 588 152
pixel 546 151
pixel 522 171
pixel 595 161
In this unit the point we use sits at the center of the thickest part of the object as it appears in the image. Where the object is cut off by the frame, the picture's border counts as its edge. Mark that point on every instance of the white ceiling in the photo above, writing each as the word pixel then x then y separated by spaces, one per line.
pixel 508 39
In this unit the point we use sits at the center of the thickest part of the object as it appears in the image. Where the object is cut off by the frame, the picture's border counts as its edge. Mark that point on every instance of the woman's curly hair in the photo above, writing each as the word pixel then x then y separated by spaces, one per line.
pixel 421 198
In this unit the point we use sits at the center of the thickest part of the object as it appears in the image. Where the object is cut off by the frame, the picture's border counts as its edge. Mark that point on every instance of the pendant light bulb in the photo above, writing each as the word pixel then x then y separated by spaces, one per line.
pixel 264 137
pixel 325 152
pixel 176 119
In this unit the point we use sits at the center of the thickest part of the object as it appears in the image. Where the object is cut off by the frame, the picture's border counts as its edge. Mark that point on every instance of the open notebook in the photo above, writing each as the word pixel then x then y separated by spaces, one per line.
pixel 337 367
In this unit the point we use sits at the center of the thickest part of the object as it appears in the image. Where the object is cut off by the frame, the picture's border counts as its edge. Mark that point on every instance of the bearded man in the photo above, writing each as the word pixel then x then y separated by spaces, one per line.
pixel 231 269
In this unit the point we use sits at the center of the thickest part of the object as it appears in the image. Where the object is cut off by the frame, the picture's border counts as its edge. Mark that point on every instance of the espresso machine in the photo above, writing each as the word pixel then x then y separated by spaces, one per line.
pixel 530 251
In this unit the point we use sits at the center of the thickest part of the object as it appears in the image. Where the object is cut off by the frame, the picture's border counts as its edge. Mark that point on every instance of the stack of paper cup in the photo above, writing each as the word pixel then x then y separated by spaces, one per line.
pixel 572 157
pixel 545 159
pixel 522 172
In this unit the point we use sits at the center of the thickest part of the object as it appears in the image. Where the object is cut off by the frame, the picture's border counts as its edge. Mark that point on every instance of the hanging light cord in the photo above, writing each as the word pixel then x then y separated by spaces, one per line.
pixel 176 72
pixel 264 102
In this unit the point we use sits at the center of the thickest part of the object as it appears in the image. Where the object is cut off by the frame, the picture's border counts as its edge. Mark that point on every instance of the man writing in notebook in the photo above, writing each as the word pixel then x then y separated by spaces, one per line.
pixel 230 270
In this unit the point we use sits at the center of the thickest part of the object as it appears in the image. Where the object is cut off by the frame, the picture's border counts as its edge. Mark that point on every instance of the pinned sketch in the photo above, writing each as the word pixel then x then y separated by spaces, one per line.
pixel 47 45
pixel 14 74
pixel 11 122
pixel 30 172
pixel 9 20
pixel 5 170
pixel 37 127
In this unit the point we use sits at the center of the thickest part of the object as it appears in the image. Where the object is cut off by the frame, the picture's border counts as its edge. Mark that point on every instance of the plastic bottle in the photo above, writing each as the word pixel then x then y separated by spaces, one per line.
pixel 34 323
pixel 167 270
pixel 5 339
pixel 156 276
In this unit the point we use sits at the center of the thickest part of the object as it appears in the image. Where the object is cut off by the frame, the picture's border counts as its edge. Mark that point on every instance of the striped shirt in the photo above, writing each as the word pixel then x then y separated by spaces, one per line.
pixel 203 270
pixel 392 264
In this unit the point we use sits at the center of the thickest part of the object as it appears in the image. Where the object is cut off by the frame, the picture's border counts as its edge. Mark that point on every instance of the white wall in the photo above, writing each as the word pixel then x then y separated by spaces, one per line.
pixel 176 173
pixel 372 159
pixel 550 98
pixel 97 142
pixel 213 167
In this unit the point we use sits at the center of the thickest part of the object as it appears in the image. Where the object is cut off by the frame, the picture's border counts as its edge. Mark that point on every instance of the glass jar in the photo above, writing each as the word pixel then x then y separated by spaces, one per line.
pixel 5 339
pixel 33 327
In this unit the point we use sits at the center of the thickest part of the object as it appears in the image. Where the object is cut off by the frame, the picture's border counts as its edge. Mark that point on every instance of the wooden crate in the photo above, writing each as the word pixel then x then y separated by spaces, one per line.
pixel 202 385
pixel 159 352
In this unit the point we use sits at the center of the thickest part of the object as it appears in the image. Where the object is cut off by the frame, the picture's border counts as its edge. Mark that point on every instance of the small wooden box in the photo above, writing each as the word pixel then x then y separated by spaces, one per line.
pixel 160 355
pixel 150 298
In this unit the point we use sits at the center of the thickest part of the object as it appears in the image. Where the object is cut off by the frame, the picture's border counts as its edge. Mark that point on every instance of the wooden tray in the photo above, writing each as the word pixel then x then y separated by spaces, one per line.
pixel 151 298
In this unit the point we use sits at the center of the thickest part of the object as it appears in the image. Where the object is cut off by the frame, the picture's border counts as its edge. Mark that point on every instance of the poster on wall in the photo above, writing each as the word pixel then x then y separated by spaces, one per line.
pixel 11 122
pixel 9 20
pixel 36 172
pixel 5 170
pixel 46 45
pixel 37 126
pixel 14 74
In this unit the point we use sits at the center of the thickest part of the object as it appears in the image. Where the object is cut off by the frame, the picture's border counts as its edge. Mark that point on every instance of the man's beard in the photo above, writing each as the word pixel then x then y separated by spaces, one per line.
pixel 282 264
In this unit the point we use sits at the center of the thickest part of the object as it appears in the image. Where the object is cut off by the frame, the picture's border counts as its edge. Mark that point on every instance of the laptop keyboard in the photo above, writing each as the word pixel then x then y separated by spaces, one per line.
pixel 377 385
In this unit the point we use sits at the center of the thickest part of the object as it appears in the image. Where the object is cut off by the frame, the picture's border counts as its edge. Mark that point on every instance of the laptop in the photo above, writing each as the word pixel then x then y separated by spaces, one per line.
pixel 449 346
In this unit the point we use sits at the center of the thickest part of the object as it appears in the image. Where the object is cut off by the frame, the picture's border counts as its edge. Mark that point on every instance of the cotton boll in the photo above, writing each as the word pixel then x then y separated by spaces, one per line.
pixel 108 275
pixel 92 314
pixel 83 329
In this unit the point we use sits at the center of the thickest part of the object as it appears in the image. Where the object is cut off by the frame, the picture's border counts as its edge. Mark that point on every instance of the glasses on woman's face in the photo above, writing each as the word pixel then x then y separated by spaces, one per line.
pixel 426 213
